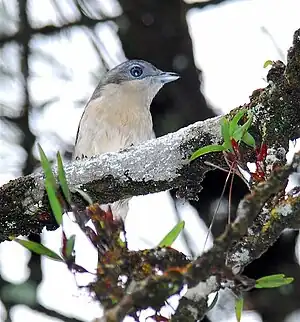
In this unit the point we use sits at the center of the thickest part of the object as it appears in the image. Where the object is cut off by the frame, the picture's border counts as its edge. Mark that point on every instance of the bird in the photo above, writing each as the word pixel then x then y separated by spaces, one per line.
pixel 118 116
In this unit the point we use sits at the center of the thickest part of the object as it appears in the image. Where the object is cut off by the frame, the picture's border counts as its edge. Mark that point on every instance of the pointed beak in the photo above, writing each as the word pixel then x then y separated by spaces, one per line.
pixel 167 77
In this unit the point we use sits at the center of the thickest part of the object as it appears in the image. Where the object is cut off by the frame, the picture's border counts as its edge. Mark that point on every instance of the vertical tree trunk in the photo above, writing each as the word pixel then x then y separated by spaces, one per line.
pixel 157 31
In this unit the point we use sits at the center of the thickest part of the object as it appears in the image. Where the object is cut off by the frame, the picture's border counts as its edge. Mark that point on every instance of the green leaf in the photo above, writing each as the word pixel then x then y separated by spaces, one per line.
pixel 207 149
pixel 268 63
pixel 38 248
pixel 70 246
pixel 249 139
pixel 240 132
pixel 83 194
pixel 169 239
pixel 46 167
pixel 239 304
pixel 54 202
pixel 51 187
pixel 225 133
pixel 62 179
pixel 271 281
pixel 233 124
pixel 249 121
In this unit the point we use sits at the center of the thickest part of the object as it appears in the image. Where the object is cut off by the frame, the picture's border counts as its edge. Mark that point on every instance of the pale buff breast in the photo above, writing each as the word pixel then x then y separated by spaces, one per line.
pixel 114 121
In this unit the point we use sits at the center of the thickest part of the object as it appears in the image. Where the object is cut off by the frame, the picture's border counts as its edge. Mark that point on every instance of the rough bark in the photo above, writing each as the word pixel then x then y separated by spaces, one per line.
pixel 157 165
pixel 162 164
pixel 222 265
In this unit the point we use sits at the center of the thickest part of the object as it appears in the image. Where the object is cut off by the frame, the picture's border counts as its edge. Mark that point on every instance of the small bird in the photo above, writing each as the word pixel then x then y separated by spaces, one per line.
pixel 118 113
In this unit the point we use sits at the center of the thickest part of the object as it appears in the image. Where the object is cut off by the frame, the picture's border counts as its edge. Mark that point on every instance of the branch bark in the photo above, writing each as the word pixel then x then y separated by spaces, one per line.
pixel 215 268
pixel 160 164
pixel 193 305
pixel 52 29
pixel 157 165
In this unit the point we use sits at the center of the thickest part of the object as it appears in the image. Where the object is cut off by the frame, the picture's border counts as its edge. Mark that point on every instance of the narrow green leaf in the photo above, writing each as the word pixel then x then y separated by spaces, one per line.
pixel 225 133
pixel 51 187
pixel 83 194
pixel 271 281
pixel 271 277
pixel 249 139
pixel 233 124
pixel 70 246
pixel 268 63
pixel 169 239
pixel 38 249
pixel 239 304
pixel 46 167
pixel 239 133
pixel 249 121
pixel 206 149
pixel 62 179
pixel 54 202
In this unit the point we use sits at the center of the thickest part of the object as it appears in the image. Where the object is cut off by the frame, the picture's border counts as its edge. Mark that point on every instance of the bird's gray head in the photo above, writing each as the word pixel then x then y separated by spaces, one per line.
pixel 135 76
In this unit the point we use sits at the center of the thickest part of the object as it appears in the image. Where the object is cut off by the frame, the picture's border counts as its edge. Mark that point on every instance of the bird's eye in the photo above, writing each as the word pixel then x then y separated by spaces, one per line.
pixel 136 71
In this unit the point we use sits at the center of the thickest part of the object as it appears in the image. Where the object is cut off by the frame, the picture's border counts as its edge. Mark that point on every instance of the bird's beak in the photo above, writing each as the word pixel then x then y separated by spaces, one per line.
pixel 167 77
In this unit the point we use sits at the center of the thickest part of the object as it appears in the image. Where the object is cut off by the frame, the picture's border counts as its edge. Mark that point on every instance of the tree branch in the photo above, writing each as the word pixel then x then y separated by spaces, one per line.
pixel 273 217
pixel 160 164
pixel 193 305
pixel 84 21
pixel 155 166
pixel 210 271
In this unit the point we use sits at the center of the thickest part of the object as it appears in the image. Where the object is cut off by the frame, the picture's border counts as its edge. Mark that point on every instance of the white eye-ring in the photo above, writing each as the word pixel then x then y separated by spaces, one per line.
pixel 136 71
